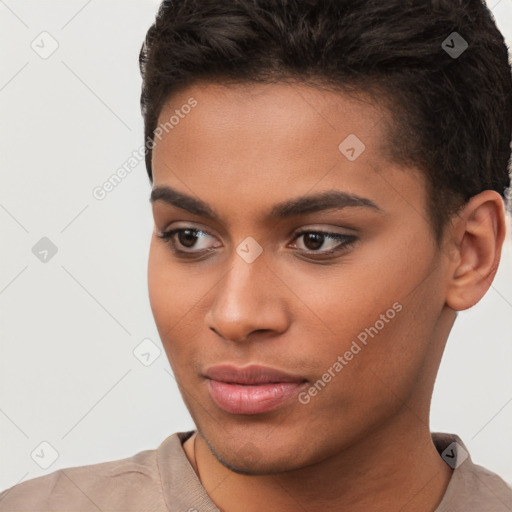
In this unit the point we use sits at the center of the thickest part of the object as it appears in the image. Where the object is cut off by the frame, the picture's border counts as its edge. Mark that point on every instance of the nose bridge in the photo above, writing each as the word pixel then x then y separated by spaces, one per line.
pixel 244 301
pixel 241 289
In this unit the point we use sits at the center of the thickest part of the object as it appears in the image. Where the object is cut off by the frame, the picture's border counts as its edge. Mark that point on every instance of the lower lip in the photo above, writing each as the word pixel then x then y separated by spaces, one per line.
pixel 246 399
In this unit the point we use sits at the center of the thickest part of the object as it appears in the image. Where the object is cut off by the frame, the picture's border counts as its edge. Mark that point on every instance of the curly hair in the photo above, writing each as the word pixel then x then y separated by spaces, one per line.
pixel 451 116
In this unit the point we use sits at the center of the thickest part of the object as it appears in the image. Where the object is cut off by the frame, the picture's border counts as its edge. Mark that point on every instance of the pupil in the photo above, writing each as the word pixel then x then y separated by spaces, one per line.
pixel 188 234
pixel 319 240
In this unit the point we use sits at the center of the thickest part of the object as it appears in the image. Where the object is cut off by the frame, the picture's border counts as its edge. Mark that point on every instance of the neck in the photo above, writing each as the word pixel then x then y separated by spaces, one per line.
pixel 381 468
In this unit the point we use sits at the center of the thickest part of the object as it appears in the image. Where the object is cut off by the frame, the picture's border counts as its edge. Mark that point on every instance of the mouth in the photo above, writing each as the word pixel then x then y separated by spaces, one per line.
pixel 251 389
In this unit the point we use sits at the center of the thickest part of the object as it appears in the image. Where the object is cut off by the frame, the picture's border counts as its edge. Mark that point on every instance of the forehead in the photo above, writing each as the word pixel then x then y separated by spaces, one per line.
pixel 274 115
pixel 264 142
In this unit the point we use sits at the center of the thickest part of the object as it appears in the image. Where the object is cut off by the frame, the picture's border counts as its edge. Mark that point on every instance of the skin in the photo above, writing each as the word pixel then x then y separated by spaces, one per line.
pixel 364 438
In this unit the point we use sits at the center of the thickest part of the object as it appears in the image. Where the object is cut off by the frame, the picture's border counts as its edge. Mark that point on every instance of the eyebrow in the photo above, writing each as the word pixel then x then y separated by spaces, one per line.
pixel 331 199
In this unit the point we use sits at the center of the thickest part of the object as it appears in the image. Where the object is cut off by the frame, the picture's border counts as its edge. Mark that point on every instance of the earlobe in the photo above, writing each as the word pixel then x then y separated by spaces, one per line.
pixel 480 231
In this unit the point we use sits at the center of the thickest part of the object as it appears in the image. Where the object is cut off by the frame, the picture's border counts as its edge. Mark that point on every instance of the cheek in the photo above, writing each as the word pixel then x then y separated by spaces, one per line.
pixel 379 316
pixel 176 299
pixel 169 296
pixel 343 301
pixel 161 286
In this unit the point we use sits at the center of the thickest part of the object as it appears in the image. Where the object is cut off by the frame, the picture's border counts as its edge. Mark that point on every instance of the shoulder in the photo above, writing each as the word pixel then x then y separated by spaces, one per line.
pixel 481 489
pixel 472 487
pixel 132 483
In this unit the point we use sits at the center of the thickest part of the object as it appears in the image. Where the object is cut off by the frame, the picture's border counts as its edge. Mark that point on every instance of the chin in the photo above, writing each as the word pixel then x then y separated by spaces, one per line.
pixel 260 468
pixel 248 460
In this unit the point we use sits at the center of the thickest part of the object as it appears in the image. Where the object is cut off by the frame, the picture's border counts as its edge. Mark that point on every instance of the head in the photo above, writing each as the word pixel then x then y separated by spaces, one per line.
pixel 267 115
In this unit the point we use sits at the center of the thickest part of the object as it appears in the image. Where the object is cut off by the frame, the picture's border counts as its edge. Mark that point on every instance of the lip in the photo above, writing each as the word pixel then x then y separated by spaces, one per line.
pixel 252 374
pixel 251 389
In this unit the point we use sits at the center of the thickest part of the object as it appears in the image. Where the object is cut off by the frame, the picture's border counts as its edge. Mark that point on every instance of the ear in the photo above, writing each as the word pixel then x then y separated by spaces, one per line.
pixel 477 235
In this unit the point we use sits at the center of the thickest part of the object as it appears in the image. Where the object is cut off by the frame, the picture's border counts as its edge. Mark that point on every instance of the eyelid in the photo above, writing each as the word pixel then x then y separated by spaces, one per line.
pixel 345 241
pixel 326 228
pixel 293 234
pixel 169 232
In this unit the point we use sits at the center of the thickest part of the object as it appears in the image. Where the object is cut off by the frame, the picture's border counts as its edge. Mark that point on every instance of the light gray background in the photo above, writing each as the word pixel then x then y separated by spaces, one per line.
pixel 69 326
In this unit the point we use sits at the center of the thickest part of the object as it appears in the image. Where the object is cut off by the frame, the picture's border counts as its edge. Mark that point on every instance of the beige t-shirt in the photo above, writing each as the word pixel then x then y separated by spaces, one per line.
pixel 163 480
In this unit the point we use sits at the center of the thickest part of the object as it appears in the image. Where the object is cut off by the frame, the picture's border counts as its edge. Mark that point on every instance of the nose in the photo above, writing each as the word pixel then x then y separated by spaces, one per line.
pixel 246 300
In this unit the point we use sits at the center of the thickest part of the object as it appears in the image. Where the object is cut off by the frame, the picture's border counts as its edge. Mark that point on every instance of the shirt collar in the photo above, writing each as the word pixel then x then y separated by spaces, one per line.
pixel 470 489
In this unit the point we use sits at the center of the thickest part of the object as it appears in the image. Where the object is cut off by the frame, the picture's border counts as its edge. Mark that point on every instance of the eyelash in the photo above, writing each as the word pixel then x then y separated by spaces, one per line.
pixel 346 242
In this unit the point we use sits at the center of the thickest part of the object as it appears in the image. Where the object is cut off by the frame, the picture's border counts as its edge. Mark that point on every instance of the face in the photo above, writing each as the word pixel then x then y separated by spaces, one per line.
pixel 343 291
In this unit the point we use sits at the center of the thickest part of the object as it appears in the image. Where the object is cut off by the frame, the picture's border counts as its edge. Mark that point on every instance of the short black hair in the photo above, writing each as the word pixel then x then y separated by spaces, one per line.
pixel 451 116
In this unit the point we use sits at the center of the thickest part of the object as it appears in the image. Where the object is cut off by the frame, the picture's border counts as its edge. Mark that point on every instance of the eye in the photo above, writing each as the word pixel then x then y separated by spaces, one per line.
pixel 332 243
pixel 192 242
pixel 180 238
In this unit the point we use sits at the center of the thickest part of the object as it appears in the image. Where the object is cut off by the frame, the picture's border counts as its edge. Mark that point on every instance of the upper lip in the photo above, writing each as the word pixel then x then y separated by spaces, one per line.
pixel 253 374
